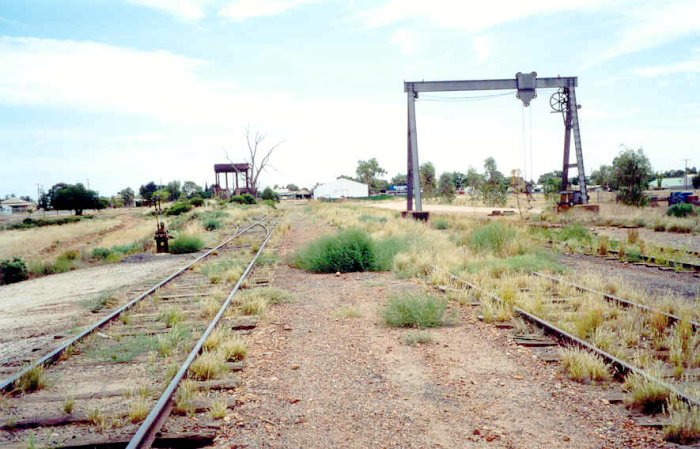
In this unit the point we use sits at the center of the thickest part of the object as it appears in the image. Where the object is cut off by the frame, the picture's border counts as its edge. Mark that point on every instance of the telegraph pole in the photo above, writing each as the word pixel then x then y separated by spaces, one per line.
pixel 685 175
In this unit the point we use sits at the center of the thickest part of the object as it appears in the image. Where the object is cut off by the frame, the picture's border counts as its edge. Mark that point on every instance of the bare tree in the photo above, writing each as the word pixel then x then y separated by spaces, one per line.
pixel 259 157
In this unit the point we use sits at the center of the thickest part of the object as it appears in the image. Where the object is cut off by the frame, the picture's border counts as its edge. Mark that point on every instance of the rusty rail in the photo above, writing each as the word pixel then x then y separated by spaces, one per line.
pixel 8 383
pixel 147 432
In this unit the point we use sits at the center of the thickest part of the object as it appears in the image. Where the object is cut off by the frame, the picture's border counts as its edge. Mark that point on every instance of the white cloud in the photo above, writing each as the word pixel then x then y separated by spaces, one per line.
pixel 405 40
pixel 465 15
pixel 245 9
pixel 95 77
pixel 183 9
pixel 482 48
pixel 691 65
pixel 653 24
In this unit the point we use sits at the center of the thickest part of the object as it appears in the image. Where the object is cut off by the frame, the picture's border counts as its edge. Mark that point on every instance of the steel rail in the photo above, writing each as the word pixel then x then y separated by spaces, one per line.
pixel 8 383
pixel 147 431
pixel 620 365
pixel 650 259
pixel 616 299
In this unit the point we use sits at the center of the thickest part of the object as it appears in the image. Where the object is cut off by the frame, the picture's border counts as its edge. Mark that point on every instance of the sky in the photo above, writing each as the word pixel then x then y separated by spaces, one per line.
pixel 116 93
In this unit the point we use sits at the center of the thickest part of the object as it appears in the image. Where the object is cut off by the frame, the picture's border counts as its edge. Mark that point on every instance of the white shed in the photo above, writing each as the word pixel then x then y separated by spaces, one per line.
pixel 342 188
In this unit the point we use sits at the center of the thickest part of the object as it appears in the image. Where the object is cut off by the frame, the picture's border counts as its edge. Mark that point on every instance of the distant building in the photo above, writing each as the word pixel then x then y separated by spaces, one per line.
pixel 342 188
pixel 16 205
pixel 678 183
pixel 303 194
pixel 284 194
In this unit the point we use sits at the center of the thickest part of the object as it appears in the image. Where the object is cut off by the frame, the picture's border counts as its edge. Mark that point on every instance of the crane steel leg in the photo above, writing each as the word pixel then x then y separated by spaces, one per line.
pixel 573 107
pixel 567 146
pixel 413 140
pixel 409 169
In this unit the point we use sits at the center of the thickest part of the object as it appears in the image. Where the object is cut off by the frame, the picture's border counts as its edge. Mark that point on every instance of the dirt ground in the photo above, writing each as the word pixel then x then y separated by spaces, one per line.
pixel 450 209
pixel 316 380
pixel 36 314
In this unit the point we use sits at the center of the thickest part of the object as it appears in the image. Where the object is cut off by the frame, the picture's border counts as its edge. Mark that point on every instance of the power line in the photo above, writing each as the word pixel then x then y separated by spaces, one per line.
pixel 464 98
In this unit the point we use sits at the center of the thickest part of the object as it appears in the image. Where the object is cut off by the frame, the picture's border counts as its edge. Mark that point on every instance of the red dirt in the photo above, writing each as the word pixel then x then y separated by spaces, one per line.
pixel 315 380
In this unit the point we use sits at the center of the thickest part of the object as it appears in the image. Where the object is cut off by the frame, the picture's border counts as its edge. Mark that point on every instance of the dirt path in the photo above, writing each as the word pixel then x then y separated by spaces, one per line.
pixel 450 209
pixel 314 380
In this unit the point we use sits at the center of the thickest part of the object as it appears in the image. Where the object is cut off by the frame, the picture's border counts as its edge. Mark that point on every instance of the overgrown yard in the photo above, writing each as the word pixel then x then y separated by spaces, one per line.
pixel 367 359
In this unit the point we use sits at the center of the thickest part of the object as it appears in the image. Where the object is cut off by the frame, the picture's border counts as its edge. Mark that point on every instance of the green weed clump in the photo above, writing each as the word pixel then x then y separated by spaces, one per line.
pixel 347 251
pixel 117 252
pixel 525 263
pixel 185 243
pixel 680 210
pixel 179 208
pixel 491 237
pixel 12 271
pixel 413 310
pixel 440 223
pixel 575 233
pixel 246 198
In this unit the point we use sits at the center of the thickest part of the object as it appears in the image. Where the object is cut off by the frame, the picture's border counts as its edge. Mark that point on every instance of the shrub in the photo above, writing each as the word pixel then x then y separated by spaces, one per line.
pixel 270 203
pixel 440 223
pixel 491 237
pixel 210 224
pixel 185 243
pixel 347 251
pixel 236 199
pixel 269 194
pixel 414 311
pixel 178 208
pixel 196 201
pixel 12 271
pixel 680 210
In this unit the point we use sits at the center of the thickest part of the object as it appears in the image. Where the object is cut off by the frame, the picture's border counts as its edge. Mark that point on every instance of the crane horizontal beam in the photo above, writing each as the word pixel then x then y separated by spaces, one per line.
pixel 503 84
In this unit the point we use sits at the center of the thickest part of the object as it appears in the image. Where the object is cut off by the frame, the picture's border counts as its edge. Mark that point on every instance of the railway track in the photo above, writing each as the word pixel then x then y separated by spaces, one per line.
pixel 118 381
pixel 671 261
pixel 632 338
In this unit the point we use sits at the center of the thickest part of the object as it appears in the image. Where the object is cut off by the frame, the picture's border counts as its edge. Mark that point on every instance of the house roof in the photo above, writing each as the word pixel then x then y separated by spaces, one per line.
pixel 14 201
pixel 231 168
pixel 303 192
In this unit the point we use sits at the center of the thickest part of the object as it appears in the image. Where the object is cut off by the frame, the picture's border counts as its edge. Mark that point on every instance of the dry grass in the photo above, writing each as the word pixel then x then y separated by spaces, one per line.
pixel 218 409
pixel 30 242
pixel 417 338
pixel 138 410
pixel 684 425
pixel 646 394
pixel 32 380
pixel 347 312
pixel 233 349
pixel 582 366
pixel 209 365
pixel 184 397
